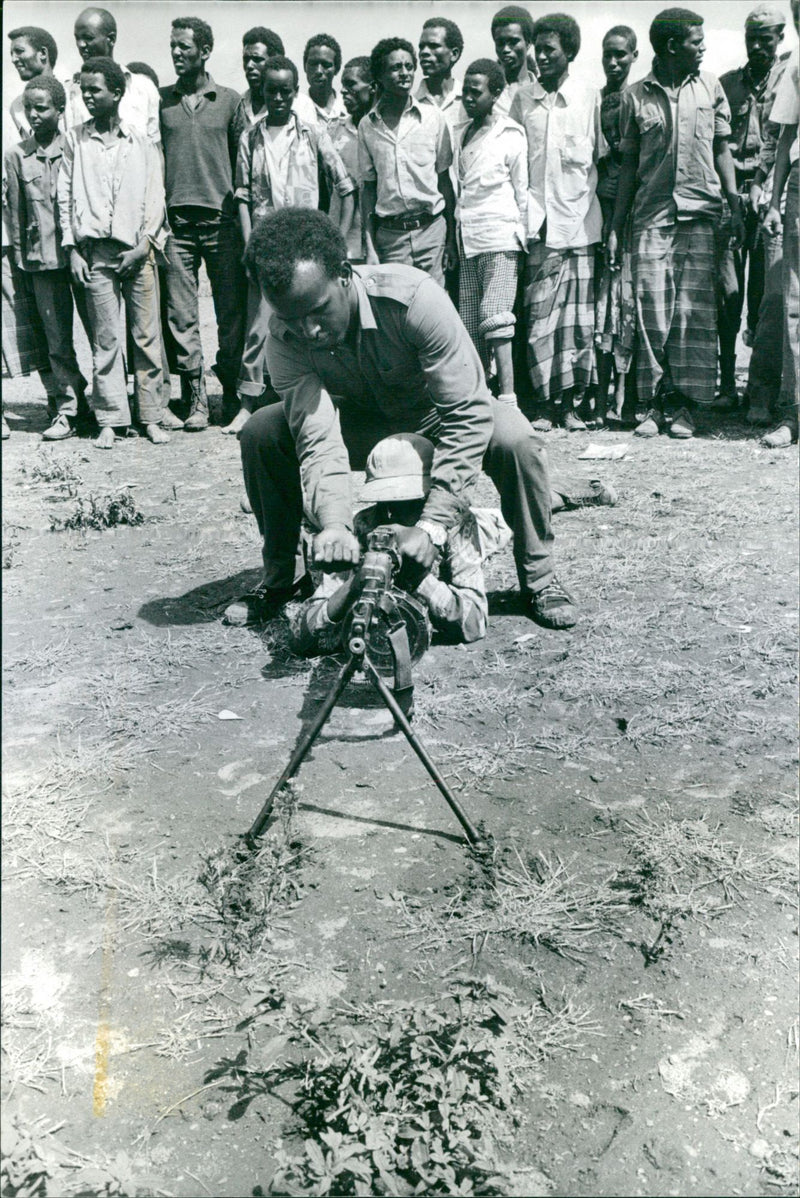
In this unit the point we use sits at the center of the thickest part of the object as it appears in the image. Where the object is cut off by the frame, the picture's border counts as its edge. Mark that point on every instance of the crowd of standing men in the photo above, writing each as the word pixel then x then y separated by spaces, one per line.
pixel 601 246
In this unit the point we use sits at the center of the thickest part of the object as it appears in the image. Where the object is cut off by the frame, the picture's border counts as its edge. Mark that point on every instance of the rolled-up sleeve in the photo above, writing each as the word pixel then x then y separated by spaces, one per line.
pixel 722 113
pixel 335 168
pixel 314 424
pixel 457 388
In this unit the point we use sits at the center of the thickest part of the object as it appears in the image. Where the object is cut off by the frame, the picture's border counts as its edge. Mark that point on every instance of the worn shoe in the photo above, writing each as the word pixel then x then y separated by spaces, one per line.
pixel 682 425
pixel 651 425
pixel 781 437
pixel 197 420
pixel 587 494
pixel 61 428
pixel 573 423
pixel 169 420
pixel 258 607
pixel 553 607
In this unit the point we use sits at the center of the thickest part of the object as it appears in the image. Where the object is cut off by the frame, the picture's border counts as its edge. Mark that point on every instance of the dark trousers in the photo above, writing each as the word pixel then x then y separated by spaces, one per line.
pixel 732 294
pixel 53 296
pixel 515 461
pixel 213 238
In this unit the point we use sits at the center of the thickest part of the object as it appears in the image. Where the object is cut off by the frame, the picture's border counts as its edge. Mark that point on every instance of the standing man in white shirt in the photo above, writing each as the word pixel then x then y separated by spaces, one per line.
pixel 441 45
pixel 322 62
pixel 561 117
pixel 96 37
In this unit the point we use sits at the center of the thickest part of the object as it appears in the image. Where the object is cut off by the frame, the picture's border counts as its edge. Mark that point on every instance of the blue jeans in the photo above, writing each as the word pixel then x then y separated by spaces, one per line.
pixel 211 237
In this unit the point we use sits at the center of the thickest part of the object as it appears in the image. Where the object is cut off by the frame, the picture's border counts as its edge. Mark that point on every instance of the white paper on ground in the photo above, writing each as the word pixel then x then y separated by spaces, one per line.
pixel 607 452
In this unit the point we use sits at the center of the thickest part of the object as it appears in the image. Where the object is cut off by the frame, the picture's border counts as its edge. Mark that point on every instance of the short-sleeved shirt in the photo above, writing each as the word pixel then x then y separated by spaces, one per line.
pixel 32 174
pixel 786 109
pixel 138 107
pixel 412 368
pixel 750 103
pixel 671 133
pixel 564 144
pixel 198 133
pixel 318 118
pixel 265 183
pixel 405 162
pixel 492 174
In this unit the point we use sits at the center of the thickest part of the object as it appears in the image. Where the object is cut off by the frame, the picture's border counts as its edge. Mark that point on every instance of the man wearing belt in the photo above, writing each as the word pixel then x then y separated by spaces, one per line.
pixel 358 354
pixel 404 157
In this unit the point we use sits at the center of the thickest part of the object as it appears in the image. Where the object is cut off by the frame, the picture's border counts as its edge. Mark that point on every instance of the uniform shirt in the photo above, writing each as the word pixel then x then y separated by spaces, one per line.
pixel 670 132
pixel 138 107
pixel 344 138
pixel 564 144
pixel 198 134
pixel 786 109
pixel 110 187
pixel 750 104
pixel 405 162
pixel 318 118
pixel 413 368
pixel 454 592
pixel 492 173
pixel 31 176
pixel 284 171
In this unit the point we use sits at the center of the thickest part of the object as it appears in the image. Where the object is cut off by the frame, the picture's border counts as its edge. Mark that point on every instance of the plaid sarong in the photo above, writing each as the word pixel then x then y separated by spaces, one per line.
pixel 487 288
pixel 559 310
pixel 615 311
pixel 24 343
pixel 676 311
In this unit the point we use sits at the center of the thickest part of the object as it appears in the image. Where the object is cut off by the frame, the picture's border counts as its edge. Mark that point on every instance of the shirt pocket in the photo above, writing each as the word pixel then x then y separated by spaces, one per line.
pixel 421 154
pixel 35 180
pixel 704 122
pixel 651 125
pixel 577 151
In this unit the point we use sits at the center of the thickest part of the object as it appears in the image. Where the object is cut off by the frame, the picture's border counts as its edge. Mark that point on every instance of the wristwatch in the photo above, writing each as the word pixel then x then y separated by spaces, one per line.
pixel 435 531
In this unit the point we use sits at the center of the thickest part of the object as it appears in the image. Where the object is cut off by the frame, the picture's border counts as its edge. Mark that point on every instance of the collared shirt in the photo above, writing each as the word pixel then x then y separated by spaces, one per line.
pixel 786 108
pixel 110 186
pixel 750 104
pixel 670 132
pixel 504 101
pixel 198 133
pixel 492 173
pixel 31 177
pixel 311 113
pixel 138 107
pixel 344 136
pixel 413 368
pixel 564 143
pixel 449 103
pixel 285 173
pixel 405 162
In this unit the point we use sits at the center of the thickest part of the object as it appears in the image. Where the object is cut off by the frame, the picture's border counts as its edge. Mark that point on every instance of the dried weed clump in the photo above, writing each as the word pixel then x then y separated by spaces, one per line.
pixel 100 511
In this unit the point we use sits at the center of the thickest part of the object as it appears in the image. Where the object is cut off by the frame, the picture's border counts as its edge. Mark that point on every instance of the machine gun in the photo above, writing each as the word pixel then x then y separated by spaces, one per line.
pixel 385 631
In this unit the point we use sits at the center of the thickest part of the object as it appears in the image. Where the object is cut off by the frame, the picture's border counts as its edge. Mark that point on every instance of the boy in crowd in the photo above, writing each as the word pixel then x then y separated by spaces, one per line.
pixel 561 118
pixel 440 47
pixel 750 91
pixel 512 34
pixel 786 113
pixel 676 163
pixel 615 317
pixel 198 132
pixel 404 157
pixel 258 45
pixel 358 96
pixel 322 62
pixel 112 214
pixel 280 164
pixel 398 481
pixel 31 170
pixel 491 161
pixel 33 53
pixel 96 37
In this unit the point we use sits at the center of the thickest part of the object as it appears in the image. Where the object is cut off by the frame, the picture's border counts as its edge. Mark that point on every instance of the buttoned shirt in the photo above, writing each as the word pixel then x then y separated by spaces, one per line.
pixel 311 113
pixel 405 162
pixel 449 103
pixel 138 107
pixel 31 178
pixel 411 368
pixel 786 108
pixel 670 132
pixel 344 136
pixel 110 186
pixel 504 101
pixel 492 173
pixel 750 104
pixel 305 153
pixel 564 143
pixel 198 133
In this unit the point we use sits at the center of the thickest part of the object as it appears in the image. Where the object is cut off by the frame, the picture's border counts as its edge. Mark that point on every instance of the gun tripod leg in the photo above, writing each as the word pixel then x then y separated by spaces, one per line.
pixel 419 749
pixel 300 753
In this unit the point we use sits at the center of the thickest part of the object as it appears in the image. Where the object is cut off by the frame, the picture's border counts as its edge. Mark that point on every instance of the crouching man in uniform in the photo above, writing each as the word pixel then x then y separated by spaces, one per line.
pixel 359 354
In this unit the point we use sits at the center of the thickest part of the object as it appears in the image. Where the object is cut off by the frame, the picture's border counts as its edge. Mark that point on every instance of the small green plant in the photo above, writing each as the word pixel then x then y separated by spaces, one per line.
pixel 100 511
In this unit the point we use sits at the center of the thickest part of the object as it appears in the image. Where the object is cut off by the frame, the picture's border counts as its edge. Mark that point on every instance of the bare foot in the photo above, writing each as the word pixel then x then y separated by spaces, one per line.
pixel 237 424
pixel 106 438
pixel 156 434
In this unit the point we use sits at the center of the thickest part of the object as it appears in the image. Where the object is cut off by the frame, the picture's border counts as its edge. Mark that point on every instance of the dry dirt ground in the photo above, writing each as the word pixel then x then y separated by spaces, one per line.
pixel 604 1004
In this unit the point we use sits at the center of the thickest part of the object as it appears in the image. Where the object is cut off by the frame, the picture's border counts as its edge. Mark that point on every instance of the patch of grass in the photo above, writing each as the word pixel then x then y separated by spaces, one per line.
pixel 54 469
pixel 100 511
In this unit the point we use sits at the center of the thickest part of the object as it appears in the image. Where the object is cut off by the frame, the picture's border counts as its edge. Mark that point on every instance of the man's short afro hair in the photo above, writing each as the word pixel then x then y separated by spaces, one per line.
pixel 513 14
pixel 201 31
pixel 49 84
pixel 325 39
pixel 495 78
pixel 265 37
pixel 111 71
pixel 281 240
pixel 279 62
pixel 384 48
pixel 565 28
pixel 672 23
pixel 453 37
pixel 37 39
